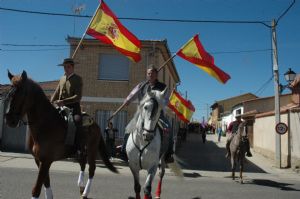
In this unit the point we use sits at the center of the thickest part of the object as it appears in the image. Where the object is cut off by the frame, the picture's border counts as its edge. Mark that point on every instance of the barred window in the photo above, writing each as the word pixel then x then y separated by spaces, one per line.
pixel 113 67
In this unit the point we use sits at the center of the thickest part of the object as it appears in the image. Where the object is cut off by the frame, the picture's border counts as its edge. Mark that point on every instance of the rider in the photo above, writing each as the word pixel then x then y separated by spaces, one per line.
pixel 138 93
pixel 232 128
pixel 68 93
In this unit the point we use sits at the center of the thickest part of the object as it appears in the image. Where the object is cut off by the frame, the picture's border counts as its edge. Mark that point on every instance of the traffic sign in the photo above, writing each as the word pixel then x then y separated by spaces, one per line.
pixel 281 128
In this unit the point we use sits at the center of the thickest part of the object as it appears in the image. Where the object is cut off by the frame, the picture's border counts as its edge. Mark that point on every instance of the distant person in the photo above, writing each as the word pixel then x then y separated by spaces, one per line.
pixel 219 132
pixel 110 133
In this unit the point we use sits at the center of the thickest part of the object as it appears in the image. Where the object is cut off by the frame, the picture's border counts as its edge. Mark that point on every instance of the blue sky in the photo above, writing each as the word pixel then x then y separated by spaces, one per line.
pixel 241 50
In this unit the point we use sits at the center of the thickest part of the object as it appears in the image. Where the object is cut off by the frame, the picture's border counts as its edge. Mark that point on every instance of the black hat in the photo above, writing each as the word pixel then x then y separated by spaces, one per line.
pixel 67 61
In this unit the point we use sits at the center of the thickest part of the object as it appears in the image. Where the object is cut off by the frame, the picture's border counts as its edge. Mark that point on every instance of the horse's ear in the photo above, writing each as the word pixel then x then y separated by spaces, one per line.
pixel 10 76
pixel 24 75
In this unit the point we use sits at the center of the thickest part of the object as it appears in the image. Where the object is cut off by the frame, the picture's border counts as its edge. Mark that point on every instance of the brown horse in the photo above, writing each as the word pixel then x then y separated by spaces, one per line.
pixel 238 150
pixel 47 134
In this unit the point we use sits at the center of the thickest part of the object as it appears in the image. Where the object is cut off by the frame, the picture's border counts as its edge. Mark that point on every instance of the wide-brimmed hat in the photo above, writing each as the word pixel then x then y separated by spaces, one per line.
pixel 67 61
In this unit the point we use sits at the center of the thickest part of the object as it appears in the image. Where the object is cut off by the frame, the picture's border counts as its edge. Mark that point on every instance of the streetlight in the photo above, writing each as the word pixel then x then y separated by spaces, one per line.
pixel 289 77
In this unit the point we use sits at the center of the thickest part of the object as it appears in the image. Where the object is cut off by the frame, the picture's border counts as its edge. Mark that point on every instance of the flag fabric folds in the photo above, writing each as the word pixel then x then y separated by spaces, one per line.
pixel 194 52
pixel 184 109
pixel 106 27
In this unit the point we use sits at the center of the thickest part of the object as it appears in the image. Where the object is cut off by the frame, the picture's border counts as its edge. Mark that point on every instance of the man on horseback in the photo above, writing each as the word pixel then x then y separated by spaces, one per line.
pixel 232 129
pixel 68 93
pixel 138 93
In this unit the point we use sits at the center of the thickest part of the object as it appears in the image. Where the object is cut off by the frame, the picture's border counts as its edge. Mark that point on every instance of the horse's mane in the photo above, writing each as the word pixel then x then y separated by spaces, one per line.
pixel 36 89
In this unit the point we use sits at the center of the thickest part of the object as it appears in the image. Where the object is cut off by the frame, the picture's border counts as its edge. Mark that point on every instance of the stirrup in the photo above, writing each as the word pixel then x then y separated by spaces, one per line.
pixel 249 154
pixel 169 159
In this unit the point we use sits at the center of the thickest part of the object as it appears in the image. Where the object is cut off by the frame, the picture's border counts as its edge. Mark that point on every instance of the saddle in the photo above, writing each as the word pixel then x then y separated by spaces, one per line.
pixel 67 115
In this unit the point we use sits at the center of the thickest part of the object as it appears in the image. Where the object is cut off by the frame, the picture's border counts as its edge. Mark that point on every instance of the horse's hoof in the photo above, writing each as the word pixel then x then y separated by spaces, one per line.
pixel 81 190
pixel 241 181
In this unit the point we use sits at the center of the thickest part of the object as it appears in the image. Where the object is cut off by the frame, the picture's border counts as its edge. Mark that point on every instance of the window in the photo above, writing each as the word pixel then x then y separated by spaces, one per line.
pixel 113 67
pixel 119 121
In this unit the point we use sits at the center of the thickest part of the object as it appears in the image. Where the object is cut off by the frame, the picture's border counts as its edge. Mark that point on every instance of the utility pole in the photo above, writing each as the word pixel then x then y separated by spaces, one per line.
pixel 277 99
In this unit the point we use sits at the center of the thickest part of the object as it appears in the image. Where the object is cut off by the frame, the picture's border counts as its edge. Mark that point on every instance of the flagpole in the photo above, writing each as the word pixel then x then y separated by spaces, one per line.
pixel 124 104
pixel 74 53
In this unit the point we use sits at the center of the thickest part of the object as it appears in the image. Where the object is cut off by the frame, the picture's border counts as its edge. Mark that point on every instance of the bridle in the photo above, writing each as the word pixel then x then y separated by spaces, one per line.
pixel 153 113
pixel 8 96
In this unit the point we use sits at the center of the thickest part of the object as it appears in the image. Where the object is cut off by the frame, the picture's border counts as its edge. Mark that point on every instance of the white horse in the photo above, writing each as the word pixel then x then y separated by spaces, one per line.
pixel 144 143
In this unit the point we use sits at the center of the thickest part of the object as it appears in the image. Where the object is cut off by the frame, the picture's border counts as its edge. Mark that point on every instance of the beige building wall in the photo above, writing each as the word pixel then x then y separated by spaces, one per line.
pixel 265 104
pixel 294 131
pixel 264 137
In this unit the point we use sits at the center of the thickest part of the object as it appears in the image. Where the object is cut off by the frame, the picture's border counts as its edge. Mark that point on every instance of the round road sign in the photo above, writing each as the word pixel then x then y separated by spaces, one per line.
pixel 281 128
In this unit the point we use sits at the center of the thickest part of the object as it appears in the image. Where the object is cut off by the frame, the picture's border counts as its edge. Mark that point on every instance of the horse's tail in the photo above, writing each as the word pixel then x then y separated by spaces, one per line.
pixel 175 168
pixel 104 155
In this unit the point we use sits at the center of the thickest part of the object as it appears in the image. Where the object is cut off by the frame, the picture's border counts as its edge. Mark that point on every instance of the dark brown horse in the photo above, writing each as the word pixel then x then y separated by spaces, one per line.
pixel 238 150
pixel 47 134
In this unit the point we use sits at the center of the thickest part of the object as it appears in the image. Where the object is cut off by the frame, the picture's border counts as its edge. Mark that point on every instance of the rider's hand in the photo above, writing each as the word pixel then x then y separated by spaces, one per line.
pixel 59 102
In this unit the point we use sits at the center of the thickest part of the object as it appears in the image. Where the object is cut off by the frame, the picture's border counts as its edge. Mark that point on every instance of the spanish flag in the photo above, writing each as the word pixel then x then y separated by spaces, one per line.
pixel 106 27
pixel 184 109
pixel 194 52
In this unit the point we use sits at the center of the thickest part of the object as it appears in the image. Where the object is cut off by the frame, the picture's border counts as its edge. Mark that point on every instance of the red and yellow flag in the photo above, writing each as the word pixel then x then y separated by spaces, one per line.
pixel 106 27
pixel 184 109
pixel 194 52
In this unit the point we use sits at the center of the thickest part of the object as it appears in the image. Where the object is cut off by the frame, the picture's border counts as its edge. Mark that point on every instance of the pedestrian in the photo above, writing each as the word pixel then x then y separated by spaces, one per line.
pixel 68 93
pixel 219 132
pixel 110 134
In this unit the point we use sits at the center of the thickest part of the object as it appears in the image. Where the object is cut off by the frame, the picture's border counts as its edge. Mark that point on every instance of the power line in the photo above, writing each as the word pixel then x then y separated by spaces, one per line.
pixel 28 50
pixel 285 12
pixel 144 19
pixel 35 45
pixel 264 86
pixel 62 45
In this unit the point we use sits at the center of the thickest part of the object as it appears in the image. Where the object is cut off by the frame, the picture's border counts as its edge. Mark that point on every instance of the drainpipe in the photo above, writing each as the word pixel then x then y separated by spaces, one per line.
pixel 289 134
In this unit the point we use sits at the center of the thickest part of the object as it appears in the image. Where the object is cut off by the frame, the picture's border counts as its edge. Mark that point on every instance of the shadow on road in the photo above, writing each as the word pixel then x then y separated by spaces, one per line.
pixel 193 154
pixel 274 184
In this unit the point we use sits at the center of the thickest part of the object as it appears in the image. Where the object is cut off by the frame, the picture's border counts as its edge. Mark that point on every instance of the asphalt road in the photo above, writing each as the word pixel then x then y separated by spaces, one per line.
pixel 205 169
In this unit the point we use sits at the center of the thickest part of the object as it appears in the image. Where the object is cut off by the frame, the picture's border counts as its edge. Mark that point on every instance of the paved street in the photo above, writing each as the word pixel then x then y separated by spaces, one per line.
pixel 205 169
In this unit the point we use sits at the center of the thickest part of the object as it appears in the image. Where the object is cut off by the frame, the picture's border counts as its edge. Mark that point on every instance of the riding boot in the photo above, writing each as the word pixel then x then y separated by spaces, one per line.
pixel 227 148
pixel 170 152
pixel 79 137
pixel 123 155
pixel 248 153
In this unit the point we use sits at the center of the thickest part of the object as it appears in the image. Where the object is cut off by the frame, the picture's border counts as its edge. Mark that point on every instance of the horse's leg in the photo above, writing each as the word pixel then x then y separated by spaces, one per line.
pixel 136 178
pixel 233 165
pixel 241 168
pixel 80 182
pixel 42 175
pixel 161 174
pixel 48 191
pixel 92 168
pixel 148 183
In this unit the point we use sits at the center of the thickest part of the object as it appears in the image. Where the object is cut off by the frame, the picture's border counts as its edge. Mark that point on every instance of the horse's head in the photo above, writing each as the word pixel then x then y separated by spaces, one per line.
pixel 151 107
pixel 17 99
pixel 242 128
